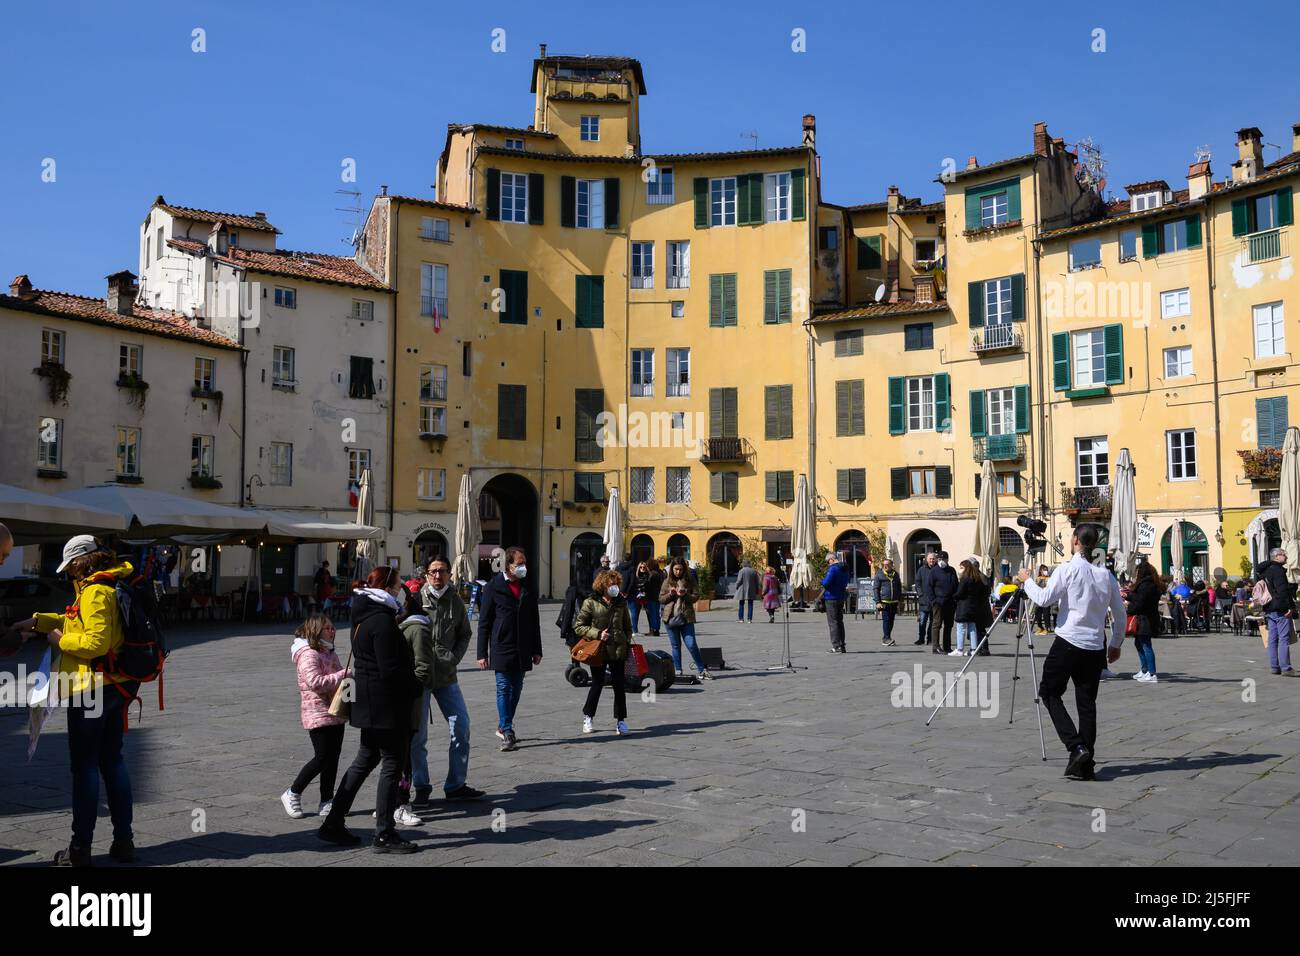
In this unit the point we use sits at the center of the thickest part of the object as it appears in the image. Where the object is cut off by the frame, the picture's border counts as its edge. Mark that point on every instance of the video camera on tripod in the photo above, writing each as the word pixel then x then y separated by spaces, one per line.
pixel 1036 535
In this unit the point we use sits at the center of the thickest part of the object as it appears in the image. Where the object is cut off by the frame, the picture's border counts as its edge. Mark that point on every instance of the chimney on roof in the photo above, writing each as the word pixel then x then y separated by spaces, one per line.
pixel 21 287
pixel 541 50
pixel 259 215
pixel 1198 179
pixel 1295 137
pixel 892 199
pixel 1250 155
pixel 122 291
pixel 810 130
pixel 383 190
pixel 1040 139
pixel 972 163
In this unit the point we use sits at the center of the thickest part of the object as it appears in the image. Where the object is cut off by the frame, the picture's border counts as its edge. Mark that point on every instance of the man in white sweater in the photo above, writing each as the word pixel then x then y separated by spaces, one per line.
pixel 1085 592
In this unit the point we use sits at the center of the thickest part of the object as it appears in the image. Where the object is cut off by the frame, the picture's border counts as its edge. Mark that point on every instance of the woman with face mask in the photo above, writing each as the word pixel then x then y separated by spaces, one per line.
pixel 509 638
pixel 604 617
pixel 383 668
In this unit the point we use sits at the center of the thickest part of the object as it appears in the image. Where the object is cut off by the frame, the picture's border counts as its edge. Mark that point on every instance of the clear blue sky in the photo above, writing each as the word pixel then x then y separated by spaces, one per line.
pixel 262 120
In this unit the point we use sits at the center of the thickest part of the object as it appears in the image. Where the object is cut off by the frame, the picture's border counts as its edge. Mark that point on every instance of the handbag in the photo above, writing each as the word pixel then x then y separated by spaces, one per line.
pixel 589 651
pixel 341 702
pixel 1131 628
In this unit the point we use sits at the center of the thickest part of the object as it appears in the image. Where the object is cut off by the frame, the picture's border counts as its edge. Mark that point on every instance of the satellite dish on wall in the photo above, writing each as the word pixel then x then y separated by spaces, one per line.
pixel 880 293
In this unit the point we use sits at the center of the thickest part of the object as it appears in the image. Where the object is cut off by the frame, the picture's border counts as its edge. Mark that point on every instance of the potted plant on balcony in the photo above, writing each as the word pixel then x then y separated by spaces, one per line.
pixel 136 388
pixel 56 380
pixel 1262 464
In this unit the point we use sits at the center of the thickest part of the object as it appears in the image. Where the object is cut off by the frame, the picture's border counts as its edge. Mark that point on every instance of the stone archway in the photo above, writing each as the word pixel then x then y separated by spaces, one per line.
pixel 509 517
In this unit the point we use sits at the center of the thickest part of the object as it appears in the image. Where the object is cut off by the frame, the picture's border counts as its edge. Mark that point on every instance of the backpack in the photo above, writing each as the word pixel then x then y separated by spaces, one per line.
pixel 1260 595
pixel 144 649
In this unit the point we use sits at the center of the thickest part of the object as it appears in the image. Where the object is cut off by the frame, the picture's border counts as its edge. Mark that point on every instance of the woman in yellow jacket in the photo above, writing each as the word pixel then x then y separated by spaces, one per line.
pixel 91 628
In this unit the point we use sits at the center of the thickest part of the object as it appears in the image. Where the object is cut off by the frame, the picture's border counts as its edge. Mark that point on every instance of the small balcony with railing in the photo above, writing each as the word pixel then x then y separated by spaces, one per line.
pixel 1265 246
pixel 1093 500
pixel 588 86
pixel 428 303
pixel 1000 448
pixel 997 338
pixel 718 451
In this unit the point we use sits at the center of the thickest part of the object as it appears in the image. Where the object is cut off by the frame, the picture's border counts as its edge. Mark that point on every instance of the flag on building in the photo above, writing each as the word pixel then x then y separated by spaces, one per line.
pixel 437 317
pixel 354 493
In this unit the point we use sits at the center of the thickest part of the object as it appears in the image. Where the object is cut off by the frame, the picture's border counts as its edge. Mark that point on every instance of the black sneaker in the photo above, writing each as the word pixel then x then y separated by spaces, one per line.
pixel 122 851
pixel 392 843
pixel 73 856
pixel 465 792
pixel 887 642
pixel 339 836
pixel 422 795
pixel 919 641
pixel 511 742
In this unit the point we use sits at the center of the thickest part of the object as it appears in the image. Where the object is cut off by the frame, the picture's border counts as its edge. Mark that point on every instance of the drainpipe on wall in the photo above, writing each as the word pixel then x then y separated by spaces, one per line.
pixel 1042 441
pixel 1214 368
pixel 812 204
pixel 394 212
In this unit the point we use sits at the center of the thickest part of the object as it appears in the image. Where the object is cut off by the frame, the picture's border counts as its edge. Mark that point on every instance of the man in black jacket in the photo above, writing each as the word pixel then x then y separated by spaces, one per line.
pixel 941 595
pixel 922 605
pixel 1279 611
pixel 509 638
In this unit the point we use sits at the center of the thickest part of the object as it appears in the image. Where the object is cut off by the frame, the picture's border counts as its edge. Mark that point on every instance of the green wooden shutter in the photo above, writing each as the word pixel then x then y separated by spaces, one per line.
pixel 785 300
pixel 843 401
pixel 972 209
pixel 568 201
pixel 897 413
pixel 749 199
pixel 771 413
pixel 1114 339
pixel 715 413
pixel 943 482
pixel 729 299
pixel 589 302
pixel 1018 297
pixel 715 487
pixel 742 200
pixel 771 292
pixel 842 490
pixel 1193 226
pixel 1150 240
pixel 898 486
pixel 869 252
pixel 977 427
pixel 858 421
pixel 942 404
pixel 494 194
pixel 1285 215
pixel 773 489
pixel 1022 409
pixel 715 300
pixel 701 202
pixel 798 187
pixel 859 484
pixel 1280 420
pixel 514 286
pixel 611 203
pixel 1240 217
pixel 1060 361
pixel 1264 423
pixel 975 298
pixel 536 199
pixel 1013 200
pixel 786 410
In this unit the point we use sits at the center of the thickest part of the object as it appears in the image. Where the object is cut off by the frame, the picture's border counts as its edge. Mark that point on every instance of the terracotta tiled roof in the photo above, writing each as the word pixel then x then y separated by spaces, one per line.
pixel 880 310
pixel 591 63
pixel 433 203
pixel 494 128
pixel 920 207
pixel 80 308
pixel 1290 159
pixel 558 157
pixel 730 154
pixel 1146 187
pixel 1119 213
pixel 317 266
pixel 990 167
pixel 258 224
pixel 636 160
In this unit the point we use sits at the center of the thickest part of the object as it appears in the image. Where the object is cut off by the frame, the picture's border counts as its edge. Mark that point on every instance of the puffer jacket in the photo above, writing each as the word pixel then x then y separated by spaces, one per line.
pixel 596 616
pixel 319 675
pixel 671 604
pixel 92 628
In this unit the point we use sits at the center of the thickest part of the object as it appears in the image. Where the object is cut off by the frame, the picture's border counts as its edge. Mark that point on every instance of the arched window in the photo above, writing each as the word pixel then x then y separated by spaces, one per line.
pixel 856 549
pixel 642 548
pixel 679 546
pixel 919 544
pixel 584 558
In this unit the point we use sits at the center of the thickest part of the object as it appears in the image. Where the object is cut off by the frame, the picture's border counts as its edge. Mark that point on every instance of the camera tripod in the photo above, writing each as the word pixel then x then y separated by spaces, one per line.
pixel 1025 632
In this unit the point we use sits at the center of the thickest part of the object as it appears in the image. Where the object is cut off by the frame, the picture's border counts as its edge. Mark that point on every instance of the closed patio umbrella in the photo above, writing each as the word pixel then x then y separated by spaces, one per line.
pixel 367 552
pixel 1288 508
pixel 987 544
pixel 803 536
pixel 613 536
pixel 468 533
pixel 1123 515
pixel 1176 551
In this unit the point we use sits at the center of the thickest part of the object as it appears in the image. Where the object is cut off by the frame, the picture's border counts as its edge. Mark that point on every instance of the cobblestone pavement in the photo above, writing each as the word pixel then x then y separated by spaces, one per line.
pixel 756 767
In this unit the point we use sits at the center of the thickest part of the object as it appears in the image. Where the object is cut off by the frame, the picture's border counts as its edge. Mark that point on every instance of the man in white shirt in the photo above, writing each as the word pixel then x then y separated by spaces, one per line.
pixel 1085 592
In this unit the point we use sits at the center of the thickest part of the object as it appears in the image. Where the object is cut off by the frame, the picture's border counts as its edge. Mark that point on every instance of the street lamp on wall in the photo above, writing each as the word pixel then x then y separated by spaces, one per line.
pixel 248 488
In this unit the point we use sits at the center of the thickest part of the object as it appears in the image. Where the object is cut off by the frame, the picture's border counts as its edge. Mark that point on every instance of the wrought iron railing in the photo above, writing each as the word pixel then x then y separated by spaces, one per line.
pixel 1094 499
pixel 1263 246
pixel 994 337
pixel 725 450
pixel 1000 448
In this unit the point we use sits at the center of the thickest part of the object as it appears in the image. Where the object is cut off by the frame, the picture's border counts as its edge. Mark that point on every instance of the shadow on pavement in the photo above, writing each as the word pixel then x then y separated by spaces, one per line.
pixel 1113 771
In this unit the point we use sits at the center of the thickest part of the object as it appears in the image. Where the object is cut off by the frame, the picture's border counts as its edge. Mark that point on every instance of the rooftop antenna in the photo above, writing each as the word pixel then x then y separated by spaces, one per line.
pixel 1091 170
pixel 356 211
pixel 1203 153
pixel 752 134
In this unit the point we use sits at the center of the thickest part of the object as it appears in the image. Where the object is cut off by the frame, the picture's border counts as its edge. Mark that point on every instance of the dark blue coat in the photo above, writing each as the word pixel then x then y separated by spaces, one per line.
pixel 509 630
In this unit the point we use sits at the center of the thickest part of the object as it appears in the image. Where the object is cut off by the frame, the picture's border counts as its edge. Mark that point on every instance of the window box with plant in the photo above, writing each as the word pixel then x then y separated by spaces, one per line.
pixel 57 378
pixel 1262 464
pixel 136 387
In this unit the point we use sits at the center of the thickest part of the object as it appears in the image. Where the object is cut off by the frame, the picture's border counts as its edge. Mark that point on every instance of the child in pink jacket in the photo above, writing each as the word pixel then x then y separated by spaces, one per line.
pixel 319 675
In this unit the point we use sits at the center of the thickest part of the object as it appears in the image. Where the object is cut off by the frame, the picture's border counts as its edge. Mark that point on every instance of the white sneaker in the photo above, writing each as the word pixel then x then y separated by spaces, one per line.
pixel 500 734
pixel 587 725
pixel 405 816
pixel 621 728
pixel 326 807
pixel 292 804
pixel 1140 675
pixel 1108 674
pixel 956 653
pixel 1147 679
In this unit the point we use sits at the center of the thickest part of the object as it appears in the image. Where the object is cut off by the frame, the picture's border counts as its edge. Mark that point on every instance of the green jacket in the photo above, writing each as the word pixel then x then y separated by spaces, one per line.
pixel 596 616
pixel 439 637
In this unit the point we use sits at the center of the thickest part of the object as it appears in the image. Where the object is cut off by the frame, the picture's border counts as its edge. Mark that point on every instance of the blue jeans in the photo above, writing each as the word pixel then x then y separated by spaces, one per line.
pixel 651 613
pixel 742 605
pixel 95 746
pixel 510 684
pixel 923 625
pixel 678 635
pixel 452 704
pixel 1279 641
pixel 967 629
pixel 1146 653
